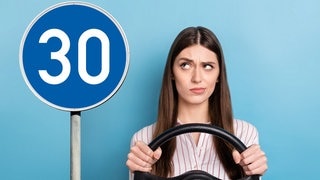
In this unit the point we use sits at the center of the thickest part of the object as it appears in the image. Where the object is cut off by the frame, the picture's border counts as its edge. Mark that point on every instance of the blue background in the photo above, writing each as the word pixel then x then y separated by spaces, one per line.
pixel 272 53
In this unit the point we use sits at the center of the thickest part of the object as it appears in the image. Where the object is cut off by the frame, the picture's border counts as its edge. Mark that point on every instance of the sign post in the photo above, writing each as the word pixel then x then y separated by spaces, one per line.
pixel 74 56
pixel 75 151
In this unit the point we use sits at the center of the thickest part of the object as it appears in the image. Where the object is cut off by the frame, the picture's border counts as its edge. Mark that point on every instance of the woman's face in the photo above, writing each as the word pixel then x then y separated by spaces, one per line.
pixel 196 71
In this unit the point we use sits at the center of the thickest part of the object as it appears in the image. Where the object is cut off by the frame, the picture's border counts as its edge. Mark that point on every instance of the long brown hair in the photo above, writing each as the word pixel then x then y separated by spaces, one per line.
pixel 219 103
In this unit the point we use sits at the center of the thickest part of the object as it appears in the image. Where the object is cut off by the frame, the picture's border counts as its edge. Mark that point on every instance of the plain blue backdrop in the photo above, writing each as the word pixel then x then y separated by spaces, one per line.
pixel 273 59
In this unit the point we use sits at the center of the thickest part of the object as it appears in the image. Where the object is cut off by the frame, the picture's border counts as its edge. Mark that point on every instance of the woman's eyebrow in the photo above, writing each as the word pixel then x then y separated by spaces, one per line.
pixel 185 59
pixel 209 62
pixel 191 60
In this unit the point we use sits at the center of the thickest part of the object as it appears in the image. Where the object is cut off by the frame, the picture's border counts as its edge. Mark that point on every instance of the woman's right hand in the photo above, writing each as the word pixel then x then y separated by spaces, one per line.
pixel 141 157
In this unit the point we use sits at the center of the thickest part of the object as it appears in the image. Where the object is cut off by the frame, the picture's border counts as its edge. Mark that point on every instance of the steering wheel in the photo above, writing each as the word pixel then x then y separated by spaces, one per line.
pixel 187 128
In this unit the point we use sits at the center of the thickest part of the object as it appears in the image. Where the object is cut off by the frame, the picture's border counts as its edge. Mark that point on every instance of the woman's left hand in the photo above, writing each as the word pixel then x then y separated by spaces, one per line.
pixel 253 160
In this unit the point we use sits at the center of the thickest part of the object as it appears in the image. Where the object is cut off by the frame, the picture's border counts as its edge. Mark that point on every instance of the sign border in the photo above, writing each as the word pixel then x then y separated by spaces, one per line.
pixel 116 23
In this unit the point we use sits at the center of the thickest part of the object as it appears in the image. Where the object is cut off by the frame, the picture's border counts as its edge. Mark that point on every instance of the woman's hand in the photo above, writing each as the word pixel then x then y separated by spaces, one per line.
pixel 141 157
pixel 253 160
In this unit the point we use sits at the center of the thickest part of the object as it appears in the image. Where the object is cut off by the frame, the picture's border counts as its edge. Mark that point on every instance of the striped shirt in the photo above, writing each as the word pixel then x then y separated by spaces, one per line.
pixel 202 156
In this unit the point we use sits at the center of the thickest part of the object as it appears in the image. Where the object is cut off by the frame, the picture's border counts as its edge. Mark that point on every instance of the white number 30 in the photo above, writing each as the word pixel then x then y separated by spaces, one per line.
pixel 60 56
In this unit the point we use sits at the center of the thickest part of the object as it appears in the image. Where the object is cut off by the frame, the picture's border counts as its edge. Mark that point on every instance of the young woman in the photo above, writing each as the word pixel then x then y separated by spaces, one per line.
pixel 195 90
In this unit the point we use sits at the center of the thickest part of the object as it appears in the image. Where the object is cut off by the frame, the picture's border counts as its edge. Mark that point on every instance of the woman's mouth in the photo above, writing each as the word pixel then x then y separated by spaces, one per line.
pixel 197 90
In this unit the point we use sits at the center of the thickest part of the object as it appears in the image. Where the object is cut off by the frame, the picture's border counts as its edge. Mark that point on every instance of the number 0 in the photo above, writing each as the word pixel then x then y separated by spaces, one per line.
pixel 82 56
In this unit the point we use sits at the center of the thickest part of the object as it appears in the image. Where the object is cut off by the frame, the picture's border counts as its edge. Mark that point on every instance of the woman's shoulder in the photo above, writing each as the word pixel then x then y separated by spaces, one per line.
pixel 243 125
pixel 144 134
pixel 246 132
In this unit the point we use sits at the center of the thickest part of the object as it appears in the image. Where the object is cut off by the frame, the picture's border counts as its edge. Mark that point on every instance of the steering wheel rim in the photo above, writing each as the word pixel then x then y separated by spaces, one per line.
pixel 188 128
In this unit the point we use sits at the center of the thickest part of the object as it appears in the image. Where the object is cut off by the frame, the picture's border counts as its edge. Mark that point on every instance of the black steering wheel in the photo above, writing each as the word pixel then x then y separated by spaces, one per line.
pixel 187 128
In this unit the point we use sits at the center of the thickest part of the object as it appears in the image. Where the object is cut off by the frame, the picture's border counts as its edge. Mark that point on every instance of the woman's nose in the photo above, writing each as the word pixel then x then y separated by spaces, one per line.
pixel 196 75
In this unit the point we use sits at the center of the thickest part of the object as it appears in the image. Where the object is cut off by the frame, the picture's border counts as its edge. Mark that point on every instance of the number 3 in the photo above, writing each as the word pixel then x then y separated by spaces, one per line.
pixel 60 56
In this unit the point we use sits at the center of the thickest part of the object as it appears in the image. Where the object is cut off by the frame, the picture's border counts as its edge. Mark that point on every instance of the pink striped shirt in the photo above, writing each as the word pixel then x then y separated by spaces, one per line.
pixel 202 156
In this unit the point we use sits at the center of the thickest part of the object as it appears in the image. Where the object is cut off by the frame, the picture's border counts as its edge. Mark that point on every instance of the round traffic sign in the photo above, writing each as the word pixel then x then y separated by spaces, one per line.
pixel 74 56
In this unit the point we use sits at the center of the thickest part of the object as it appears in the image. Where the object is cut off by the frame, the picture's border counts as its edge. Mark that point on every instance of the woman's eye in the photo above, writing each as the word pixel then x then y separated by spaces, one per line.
pixel 185 66
pixel 208 66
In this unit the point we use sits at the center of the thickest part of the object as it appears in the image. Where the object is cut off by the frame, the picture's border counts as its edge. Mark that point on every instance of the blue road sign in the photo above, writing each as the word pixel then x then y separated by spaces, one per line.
pixel 74 56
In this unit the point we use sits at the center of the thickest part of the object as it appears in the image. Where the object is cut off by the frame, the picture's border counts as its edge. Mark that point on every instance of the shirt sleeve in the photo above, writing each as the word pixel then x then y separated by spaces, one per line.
pixel 144 135
pixel 246 132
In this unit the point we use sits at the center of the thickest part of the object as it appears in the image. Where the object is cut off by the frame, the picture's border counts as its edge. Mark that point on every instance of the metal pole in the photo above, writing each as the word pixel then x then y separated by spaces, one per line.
pixel 75 162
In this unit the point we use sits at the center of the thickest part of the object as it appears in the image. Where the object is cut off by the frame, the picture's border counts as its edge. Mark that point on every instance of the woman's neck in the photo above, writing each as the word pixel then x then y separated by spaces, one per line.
pixel 193 113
